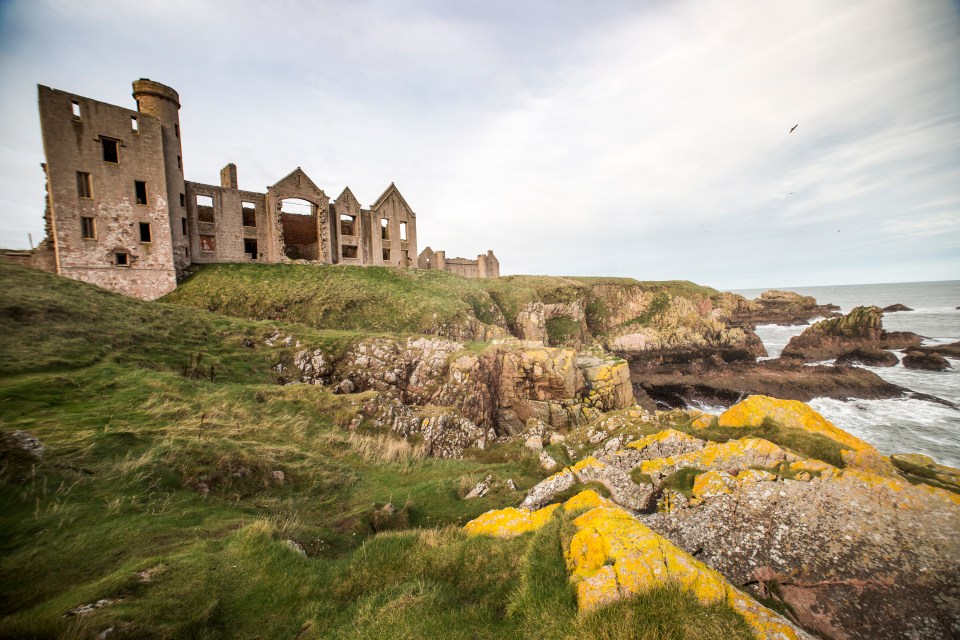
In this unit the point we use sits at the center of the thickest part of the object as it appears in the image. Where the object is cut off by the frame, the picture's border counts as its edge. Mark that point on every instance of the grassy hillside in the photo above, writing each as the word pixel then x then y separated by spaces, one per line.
pixel 337 297
pixel 158 492
pixel 398 300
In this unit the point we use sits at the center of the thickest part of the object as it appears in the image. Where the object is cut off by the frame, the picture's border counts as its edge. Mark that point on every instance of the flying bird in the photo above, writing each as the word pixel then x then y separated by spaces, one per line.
pixel 794 127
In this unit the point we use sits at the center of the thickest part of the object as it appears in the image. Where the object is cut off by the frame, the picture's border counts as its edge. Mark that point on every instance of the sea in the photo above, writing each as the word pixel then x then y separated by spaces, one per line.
pixel 901 425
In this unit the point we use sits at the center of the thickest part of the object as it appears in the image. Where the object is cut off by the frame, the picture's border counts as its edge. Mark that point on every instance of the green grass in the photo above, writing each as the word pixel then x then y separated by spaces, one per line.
pixel 682 480
pixel 410 301
pixel 146 468
pixel 562 330
pixel 338 297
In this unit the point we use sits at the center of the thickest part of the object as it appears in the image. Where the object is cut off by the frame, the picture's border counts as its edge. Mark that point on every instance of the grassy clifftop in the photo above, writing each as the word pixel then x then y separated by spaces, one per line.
pixel 411 301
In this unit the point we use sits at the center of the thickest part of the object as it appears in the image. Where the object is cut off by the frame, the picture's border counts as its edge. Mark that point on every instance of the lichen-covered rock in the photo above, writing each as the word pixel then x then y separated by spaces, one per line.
pixel 851 553
pixel 622 489
pixel 713 483
pixel 544 491
pixel 613 556
pixel 509 522
pixel 795 414
pixel 921 468
pixel 732 457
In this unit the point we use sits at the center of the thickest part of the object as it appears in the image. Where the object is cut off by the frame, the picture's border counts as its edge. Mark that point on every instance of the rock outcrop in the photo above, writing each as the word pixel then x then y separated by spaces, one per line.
pixel 612 555
pixel 869 357
pixel 677 329
pixel 677 386
pixel 498 389
pixel 927 360
pixel 921 468
pixel 893 308
pixel 862 328
pixel 778 307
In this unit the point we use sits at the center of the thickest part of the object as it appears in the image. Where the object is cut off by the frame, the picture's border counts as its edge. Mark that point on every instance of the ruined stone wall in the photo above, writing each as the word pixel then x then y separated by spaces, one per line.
pixel 74 143
pixel 350 236
pixel 227 230
pixel 163 103
pixel 485 266
pixel 463 267
pixel 400 217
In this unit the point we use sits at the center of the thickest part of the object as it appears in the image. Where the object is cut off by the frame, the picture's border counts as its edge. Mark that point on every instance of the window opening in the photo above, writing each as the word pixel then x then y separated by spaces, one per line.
pixel 183 225
pixel 111 151
pixel 205 209
pixel 121 259
pixel 386 255
pixel 384 229
pixel 180 163
pixel 134 124
pixel 88 228
pixel 249 211
pixel 250 248
pixel 140 187
pixel 75 105
pixel 183 200
pixel 84 185
pixel 145 235
pixel 300 227
pixel 176 130
pixel 208 243
pixel 349 251
pixel 403 230
pixel 347 225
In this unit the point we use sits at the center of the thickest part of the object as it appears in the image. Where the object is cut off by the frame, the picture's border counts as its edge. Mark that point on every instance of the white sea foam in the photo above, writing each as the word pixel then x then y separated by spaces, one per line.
pixel 898 426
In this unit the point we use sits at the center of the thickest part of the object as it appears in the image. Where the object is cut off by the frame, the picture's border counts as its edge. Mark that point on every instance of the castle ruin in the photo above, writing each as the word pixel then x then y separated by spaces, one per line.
pixel 121 215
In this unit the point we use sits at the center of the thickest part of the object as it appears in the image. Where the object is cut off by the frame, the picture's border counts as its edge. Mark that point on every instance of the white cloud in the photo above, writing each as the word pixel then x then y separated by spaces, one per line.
pixel 645 140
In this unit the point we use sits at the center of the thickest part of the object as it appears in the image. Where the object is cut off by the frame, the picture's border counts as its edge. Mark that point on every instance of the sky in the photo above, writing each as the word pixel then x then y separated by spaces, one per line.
pixel 648 139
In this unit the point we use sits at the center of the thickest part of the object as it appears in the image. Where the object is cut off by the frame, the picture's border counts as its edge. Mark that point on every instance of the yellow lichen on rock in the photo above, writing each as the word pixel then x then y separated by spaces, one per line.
pixel 787 413
pixel 713 483
pixel 614 555
pixel 702 421
pixel 509 522
pixel 660 436
pixel 745 452
pixel 587 499
pixel 587 462
pixel 755 475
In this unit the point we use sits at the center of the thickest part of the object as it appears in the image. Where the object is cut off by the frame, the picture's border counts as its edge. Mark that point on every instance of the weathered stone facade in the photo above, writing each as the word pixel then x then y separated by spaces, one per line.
pixel 120 214
pixel 485 266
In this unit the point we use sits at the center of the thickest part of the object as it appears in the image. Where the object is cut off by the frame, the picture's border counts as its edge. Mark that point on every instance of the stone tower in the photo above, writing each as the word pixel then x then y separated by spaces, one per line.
pixel 163 103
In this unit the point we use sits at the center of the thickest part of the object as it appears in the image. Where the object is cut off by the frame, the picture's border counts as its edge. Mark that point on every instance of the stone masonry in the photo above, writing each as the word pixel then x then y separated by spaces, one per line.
pixel 119 213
